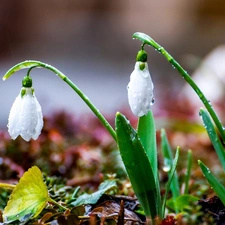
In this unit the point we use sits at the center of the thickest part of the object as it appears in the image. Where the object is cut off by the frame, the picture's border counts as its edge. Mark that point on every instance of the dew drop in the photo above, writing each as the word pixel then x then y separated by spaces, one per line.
pixel 166 168
pixel 159 49
pixel 167 165
pixel 152 101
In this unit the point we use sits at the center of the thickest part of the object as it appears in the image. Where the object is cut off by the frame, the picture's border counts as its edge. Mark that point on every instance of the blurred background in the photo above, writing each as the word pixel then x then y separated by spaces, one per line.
pixel 91 42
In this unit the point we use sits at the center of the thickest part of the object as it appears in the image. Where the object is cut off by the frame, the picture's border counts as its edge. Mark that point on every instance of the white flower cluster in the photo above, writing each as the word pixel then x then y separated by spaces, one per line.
pixel 140 90
pixel 25 117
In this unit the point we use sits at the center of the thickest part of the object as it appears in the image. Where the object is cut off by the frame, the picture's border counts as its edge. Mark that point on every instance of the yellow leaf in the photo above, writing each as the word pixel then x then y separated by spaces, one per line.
pixel 28 199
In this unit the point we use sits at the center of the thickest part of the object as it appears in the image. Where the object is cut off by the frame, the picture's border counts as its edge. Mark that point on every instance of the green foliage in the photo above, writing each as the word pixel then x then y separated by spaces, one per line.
pixel 171 175
pixel 213 136
pixel 215 184
pixel 147 134
pixel 138 166
pixel 104 187
pixel 188 172
pixel 28 199
pixel 182 202
pixel 168 163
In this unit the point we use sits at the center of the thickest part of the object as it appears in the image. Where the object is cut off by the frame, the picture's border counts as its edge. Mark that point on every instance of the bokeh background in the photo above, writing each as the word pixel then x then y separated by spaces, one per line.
pixel 91 42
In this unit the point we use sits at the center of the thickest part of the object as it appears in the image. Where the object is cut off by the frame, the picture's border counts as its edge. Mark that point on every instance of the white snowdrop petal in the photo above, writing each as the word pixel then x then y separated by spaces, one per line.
pixel 13 121
pixel 39 125
pixel 140 91
pixel 28 117
pixel 25 117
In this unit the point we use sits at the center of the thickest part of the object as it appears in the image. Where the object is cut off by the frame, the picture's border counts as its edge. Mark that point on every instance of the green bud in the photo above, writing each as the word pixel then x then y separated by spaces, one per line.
pixel 23 92
pixel 142 66
pixel 27 82
pixel 142 56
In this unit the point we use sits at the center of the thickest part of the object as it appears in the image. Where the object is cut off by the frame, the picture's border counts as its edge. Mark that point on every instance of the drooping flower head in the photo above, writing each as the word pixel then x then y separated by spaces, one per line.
pixel 25 117
pixel 140 87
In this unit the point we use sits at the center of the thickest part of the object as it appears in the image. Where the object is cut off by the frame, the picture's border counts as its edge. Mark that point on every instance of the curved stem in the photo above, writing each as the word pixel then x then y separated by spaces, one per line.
pixel 149 41
pixel 29 70
pixel 31 64
pixel 50 200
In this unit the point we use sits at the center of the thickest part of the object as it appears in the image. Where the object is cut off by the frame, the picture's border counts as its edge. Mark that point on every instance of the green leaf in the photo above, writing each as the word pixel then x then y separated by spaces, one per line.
pixel 181 202
pixel 104 187
pixel 188 172
pixel 137 166
pixel 168 163
pixel 28 199
pixel 213 136
pixel 147 134
pixel 171 174
pixel 215 184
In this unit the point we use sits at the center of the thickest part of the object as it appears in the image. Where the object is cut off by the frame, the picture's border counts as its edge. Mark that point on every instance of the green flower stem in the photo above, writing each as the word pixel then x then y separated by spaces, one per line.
pixel 32 64
pixel 50 200
pixel 149 41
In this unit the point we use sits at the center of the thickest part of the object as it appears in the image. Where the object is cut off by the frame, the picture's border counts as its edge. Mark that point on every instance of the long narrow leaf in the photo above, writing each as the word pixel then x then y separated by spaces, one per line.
pixel 147 133
pixel 188 172
pixel 168 162
pixel 173 169
pixel 137 166
pixel 213 136
pixel 215 184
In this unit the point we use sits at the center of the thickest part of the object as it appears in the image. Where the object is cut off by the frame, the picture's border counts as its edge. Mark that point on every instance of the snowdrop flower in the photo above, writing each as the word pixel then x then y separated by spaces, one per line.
pixel 25 117
pixel 140 87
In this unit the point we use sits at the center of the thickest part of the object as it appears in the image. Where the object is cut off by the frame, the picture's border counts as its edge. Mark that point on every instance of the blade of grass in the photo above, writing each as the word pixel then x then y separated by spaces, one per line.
pixel 149 41
pixel 213 136
pixel 168 162
pixel 173 169
pixel 215 184
pixel 188 172
pixel 137 166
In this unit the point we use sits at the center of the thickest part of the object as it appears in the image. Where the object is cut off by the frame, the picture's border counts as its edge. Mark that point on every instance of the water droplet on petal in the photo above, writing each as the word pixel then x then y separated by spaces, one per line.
pixel 152 101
